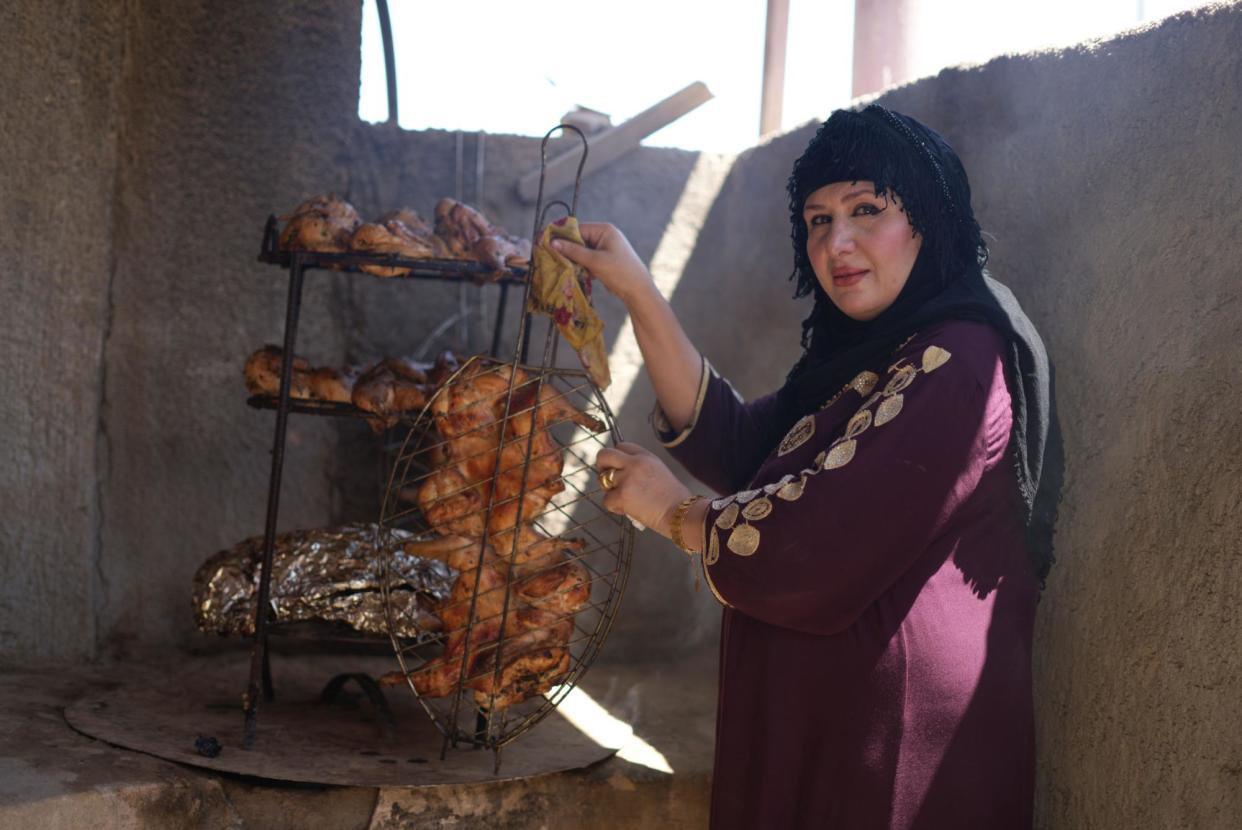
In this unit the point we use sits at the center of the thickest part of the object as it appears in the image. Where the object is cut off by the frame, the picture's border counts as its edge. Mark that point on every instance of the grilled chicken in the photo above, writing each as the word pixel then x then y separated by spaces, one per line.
pixel 394 237
pixel 321 223
pixel 468 235
pixel 533 655
pixel 468 415
pixel 336 385
pixel 262 373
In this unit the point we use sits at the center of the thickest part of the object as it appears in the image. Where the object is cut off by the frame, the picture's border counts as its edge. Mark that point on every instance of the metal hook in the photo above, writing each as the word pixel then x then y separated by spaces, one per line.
pixel 543 170
pixel 543 217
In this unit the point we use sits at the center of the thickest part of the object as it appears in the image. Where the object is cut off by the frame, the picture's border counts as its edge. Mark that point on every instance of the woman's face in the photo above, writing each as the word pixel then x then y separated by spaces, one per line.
pixel 861 246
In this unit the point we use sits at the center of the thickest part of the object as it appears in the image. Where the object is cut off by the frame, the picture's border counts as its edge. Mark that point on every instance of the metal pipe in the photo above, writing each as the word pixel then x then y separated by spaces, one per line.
pixel 260 672
pixel 390 60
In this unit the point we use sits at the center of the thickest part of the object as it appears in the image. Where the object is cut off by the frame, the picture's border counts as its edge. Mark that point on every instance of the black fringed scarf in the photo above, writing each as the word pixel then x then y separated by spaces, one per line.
pixel 903 157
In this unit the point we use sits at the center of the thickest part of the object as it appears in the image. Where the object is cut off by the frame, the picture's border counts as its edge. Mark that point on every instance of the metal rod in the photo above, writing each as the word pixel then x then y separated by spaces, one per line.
pixel 260 674
pixel 524 330
pixel 269 691
pixel 500 319
pixel 431 268
pixel 390 60
pixel 480 152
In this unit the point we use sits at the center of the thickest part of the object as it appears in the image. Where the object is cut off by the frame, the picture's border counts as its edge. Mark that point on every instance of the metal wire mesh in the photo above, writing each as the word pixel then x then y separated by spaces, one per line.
pixel 495 476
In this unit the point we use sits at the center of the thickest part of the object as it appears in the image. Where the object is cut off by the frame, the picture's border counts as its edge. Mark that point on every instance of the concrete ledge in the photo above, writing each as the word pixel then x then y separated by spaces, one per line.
pixel 51 777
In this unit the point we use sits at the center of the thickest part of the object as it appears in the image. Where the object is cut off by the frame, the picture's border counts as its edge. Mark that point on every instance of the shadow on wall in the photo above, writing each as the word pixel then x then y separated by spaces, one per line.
pixel 734 300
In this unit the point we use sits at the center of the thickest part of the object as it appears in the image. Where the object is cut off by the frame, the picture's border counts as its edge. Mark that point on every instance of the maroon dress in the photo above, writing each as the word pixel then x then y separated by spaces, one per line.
pixel 875 664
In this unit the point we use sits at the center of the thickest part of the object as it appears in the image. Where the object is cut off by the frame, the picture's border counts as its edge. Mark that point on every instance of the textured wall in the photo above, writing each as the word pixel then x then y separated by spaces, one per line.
pixel 222 123
pixel 58 127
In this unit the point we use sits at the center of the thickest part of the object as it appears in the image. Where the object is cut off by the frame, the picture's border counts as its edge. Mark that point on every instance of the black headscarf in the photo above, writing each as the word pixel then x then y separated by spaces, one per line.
pixel 906 158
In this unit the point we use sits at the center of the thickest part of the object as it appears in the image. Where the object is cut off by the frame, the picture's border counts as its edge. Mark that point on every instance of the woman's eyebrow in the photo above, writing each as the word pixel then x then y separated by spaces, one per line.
pixel 853 194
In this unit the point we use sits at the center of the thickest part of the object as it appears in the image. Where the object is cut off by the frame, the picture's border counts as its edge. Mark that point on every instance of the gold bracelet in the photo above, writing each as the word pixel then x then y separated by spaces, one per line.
pixel 679 516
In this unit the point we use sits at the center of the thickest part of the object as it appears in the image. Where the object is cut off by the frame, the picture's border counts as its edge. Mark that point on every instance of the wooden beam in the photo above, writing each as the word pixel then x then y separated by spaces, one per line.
pixel 610 145
pixel 774 67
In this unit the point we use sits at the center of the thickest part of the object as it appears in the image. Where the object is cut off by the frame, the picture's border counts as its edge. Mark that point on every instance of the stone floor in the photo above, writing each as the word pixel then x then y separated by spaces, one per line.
pixel 52 777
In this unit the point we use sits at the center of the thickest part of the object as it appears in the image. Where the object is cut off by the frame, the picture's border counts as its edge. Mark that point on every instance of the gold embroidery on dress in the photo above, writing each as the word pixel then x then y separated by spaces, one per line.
pixel 757 509
pixel 889 409
pixel 772 488
pixel 858 424
pixel 798 435
pixel 792 491
pixel 744 540
pixel 903 377
pixel 841 454
pixel 864 382
pixel 934 357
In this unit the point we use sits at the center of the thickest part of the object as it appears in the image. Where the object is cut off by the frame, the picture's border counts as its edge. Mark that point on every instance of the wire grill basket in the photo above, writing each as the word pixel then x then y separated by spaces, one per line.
pixel 495 477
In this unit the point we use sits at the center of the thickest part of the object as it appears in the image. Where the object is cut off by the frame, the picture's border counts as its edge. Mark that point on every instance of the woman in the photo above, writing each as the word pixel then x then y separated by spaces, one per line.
pixel 879 547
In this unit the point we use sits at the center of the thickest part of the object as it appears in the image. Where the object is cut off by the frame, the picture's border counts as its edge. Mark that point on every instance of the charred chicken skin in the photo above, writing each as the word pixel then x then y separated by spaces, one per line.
pixel 533 654
pixel 332 225
pixel 321 223
pixel 396 235
pixel 469 414
pixel 468 235
pixel 262 373
pixel 495 469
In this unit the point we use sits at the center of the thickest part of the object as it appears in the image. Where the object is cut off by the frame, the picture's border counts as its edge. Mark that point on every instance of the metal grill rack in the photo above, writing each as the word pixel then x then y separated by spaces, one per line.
pixel 530 512
pixel 552 505
pixel 259 686
pixel 568 540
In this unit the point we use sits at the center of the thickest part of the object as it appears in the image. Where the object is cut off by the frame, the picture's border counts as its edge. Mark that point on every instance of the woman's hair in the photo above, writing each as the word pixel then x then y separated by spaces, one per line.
pixel 900 156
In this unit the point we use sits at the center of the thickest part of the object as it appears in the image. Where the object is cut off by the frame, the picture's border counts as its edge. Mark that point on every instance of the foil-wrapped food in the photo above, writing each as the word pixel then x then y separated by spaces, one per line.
pixel 328 574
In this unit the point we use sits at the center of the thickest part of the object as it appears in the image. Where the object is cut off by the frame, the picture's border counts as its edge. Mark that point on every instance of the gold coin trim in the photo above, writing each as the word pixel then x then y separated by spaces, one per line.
pixel 744 540
pixel 758 509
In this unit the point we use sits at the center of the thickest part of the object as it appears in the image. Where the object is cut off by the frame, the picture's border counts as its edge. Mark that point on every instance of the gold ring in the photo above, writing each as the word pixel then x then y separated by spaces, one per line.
pixel 605 478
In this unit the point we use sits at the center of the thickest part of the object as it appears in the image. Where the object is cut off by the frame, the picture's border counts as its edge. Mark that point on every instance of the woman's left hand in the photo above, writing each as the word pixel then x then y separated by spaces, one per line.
pixel 643 487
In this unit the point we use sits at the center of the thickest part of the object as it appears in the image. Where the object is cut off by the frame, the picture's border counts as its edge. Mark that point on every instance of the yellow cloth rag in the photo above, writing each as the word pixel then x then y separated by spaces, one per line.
pixel 562 290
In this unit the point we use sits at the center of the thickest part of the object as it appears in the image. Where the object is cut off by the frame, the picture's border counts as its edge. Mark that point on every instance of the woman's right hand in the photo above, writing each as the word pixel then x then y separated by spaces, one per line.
pixel 673 364
pixel 609 258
